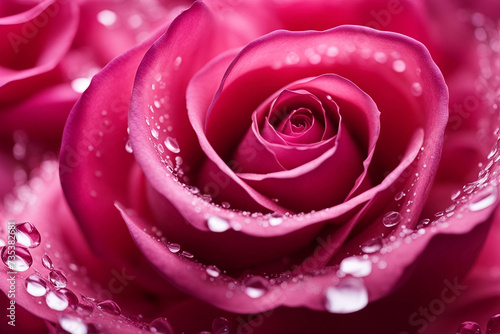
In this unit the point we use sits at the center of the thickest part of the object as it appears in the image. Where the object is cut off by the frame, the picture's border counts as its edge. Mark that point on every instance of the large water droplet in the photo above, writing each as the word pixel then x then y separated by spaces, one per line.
pixel 174 248
pixel 172 145
pixel 391 218
pixel 57 300
pixel 72 324
pixel 47 262
pixel 356 266
pixel 57 279
pixel 221 326
pixel 110 307
pixel 36 286
pixel 16 258
pixel 275 221
pixel 493 325
pixel 469 327
pixel 213 271
pixel 128 147
pixel 483 199
pixel 372 245
pixel 27 235
pixel 347 297
pixel 160 326
pixel 256 287
pixel 399 66
pixel 218 224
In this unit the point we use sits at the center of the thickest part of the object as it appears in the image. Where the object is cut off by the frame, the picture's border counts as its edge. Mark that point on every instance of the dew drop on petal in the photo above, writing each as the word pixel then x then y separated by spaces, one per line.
pixel 27 235
pixel 217 224
pixel 56 300
pixel 84 308
pixel 256 287
pixel 110 307
pixel 172 145
pixel 160 326
pixel 493 325
pixel 399 196
pixel 36 286
pixel 155 133
pixel 57 279
pixel 22 259
pixel 221 326
pixel 380 57
pixel 469 327
pixel 416 89
pixel 350 295
pixel 372 245
pixel 173 247
pixel 356 266
pixel 391 218
pixel 399 66
pixel 213 271
pixel 275 221
pixel 72 324
pixel 483 199
pixel 106 17
pixel 128 147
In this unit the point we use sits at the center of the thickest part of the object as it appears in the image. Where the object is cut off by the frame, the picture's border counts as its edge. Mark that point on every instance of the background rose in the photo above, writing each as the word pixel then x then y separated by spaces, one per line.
pixel 50 50
pixel 98 192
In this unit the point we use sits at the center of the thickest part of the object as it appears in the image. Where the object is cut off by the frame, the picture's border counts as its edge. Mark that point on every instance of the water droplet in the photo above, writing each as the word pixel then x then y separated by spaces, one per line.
pixel 72 324
pixel 172 145
pixel 256 287
pixel 292 58
pixel 106 17
pixel 380 57
pixel 399 66
pixel 455 195
pixel 275 221
pixel 155 133
pixel 372 245
pixel 221 326
pixel 128 147
pixel 469 327
pixel 178 62
pixel 493 325
pixel 57 279
pixel 36 286
pixel 110 307
pixel 174 248
pixel 225 205
pixel 347 297
pixel 332 51
pixel 356 266
pixel 391 218
pixel 217 224
pixel 483 199
pixel 160 326
pixel 416 89
pixel 27 235
pixel 187 255
pixel 57 300
pixel 84 308
pixel 399 196
pixel 213 271
pixel 21 260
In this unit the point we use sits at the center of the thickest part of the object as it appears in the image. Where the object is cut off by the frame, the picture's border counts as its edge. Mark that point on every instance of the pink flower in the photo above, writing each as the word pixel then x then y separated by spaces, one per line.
pixel 232 176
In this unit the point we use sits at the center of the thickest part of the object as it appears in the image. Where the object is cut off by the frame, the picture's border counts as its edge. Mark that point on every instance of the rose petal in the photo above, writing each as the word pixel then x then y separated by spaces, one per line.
pixel 26 52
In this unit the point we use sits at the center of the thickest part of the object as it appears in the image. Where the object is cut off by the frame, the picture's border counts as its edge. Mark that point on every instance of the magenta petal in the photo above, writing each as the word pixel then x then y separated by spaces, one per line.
pixel 63 242
pixel 37 39
pixel 95 168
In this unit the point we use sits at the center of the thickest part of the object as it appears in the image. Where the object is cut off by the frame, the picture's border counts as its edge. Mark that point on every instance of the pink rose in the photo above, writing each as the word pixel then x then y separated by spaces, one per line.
pixel 50 50
pixel 256 180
